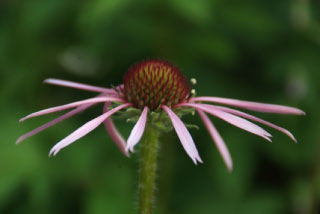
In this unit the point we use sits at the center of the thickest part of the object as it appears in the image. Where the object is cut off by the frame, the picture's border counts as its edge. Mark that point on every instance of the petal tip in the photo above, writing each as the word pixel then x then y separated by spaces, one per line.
pixel 229 165
pixel 268 134
pixel 292 137
pixel 55 152
pixel 127 150
pixel 19 140
pixel 52 152
pixel 267 138
pixel 299 112
pixel 48 80
pixel 197 160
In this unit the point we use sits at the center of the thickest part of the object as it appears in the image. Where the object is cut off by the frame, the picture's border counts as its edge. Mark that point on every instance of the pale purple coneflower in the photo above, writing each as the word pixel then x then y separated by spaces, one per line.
pixel 155 86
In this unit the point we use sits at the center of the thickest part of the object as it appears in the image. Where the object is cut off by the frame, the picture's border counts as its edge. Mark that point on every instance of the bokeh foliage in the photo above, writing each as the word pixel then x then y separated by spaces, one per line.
pixel 263 50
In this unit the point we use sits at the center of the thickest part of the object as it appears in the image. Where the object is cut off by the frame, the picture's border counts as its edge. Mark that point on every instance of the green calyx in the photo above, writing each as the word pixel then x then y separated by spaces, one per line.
pixel 158 119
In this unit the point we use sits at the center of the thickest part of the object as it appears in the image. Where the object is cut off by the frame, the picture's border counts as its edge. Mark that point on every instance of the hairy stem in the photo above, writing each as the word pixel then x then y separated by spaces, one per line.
pixel 148 167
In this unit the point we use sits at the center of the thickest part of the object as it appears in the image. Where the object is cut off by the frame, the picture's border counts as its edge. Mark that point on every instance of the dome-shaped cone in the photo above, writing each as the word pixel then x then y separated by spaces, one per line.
pixel 154 83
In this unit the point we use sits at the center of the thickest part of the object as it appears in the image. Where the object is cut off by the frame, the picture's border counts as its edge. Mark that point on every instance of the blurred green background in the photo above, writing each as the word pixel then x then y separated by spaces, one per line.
pixel 259 50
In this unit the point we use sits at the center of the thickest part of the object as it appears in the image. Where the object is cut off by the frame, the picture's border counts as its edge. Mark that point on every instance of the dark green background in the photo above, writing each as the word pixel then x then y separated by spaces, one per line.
pixel 260 50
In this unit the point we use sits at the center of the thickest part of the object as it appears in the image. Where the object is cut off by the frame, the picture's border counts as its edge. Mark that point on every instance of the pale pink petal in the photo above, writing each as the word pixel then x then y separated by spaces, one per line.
pixel 184 135
pixel 57 120
pixel 53 122
pixel 221 146
pixel 114 133
pixel 72 105
pixel 251 117
pixel 116 136
pixel 85 129
pixel 232 119
pixel 254 106
pixel 78 85
pixel 137 130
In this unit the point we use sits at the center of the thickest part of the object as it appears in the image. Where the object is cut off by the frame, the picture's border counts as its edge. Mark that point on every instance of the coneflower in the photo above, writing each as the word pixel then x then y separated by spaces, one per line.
pixel 155 94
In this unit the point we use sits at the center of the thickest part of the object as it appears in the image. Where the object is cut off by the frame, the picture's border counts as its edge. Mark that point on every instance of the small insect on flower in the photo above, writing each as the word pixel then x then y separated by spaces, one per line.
pixel 155 92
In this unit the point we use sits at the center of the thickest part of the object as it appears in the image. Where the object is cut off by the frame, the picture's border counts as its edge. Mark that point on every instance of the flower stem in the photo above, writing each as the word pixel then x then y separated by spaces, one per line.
pixel 148 166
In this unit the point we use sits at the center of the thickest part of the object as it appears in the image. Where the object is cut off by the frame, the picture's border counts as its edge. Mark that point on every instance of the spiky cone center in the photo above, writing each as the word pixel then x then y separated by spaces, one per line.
pixel 154 83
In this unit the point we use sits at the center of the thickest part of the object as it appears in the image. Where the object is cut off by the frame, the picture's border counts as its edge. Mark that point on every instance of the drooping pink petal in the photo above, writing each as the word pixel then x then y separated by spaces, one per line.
pixel 221 146
pixel 72 105
pixel 81 86
pixel 57 120
pixel 251 117
pixel 114 133
pixel 137 130
pixel 254 106
pixel 184 135
pixel 53 122
pixel 85 129
pixel 116 136
pixel 232 119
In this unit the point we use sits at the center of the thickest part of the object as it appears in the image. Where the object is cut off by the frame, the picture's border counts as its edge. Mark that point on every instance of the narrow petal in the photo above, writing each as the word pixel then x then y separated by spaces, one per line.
pixel 221 146
pixel 232 119
pixel 137 130
pixel 77 85
pixel 114 133
pixel 53 122
pixel 254 106
pixel 72 105
pixel 57 120
pixel 251 117
pixel 184 135
pixel 85 129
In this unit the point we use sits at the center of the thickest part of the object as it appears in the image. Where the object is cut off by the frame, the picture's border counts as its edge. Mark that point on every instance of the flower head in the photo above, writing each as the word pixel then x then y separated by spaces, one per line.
pixel 154 83
pixel 151 88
